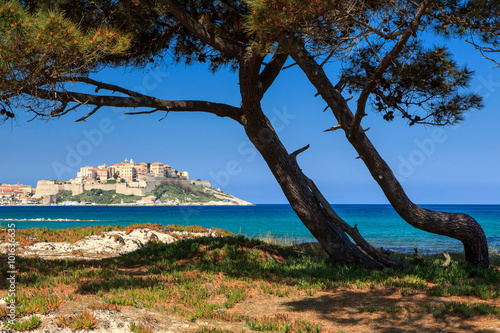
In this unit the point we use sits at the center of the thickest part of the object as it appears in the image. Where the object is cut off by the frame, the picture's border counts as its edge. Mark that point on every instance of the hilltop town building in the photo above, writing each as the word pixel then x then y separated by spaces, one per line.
pixel 128 171
pixel 126 177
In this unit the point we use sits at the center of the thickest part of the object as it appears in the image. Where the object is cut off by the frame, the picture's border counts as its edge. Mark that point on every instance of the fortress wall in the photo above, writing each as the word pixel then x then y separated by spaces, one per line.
pixel 51 187
pixel 47 188
pixel 150 185
pixel 74 188
pixel 104 187
pixel 137 191
pixel 123 188
pixel 204 183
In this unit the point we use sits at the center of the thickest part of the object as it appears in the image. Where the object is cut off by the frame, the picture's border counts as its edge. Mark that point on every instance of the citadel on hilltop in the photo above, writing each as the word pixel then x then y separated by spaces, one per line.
pixel 127 178
pixel 127 171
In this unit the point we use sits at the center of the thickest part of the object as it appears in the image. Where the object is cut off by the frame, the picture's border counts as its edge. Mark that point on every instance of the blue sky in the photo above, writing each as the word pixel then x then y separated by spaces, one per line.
pixel 436 165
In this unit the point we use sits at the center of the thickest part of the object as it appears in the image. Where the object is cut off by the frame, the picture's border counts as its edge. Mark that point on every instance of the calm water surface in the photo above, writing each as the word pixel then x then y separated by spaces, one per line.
pixel 379 224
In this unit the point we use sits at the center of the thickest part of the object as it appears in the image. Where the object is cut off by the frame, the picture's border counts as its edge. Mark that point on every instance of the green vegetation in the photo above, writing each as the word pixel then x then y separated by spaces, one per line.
pixel 207 279
pixel 170 191
pixel 183 193
pixel 136 328
pixel 72 235
pixel 83 320
pixel 281 323
pixel 466 309
pixel 97 196
pixel 27 324
pixel 206 329
pixel 103 306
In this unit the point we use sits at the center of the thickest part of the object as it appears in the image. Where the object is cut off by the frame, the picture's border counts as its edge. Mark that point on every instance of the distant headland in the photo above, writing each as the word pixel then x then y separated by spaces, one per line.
pixel 125 183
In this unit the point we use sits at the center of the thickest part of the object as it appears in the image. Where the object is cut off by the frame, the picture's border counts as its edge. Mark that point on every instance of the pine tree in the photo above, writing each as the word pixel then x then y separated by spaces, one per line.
pixel 47 46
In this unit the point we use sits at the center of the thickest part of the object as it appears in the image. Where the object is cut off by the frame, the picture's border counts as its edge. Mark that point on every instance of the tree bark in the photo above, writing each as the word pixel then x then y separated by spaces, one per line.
pixel 289 176
pixel 455 225
pixel 353 232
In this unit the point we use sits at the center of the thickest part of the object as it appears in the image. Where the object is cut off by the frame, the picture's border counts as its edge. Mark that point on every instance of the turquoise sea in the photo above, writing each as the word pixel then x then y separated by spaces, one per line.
pixel 379 224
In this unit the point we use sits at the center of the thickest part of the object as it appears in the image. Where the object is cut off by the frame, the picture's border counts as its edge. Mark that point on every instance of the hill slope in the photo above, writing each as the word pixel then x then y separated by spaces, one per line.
pixel 164 194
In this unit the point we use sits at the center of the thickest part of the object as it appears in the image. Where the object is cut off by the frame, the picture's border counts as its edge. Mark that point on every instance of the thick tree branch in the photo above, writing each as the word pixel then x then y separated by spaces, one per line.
pixel 221 110
pixel 229 47
pixel 271 71
pixel 384 64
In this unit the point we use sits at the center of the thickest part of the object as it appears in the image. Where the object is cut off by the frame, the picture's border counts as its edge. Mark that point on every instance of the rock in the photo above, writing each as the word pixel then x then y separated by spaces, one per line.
pixel 153 238
pixel 119 239
pixel 108 243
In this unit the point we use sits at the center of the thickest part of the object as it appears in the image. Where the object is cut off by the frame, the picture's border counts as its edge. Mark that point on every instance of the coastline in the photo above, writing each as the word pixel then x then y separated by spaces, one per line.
pixel 128 204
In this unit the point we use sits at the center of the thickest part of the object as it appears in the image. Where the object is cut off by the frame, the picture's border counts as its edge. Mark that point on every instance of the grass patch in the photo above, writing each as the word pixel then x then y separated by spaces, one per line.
pixel 37 301
pixel 83 320
pixel 174 190
pixel 137 328
pixel 96 305
pixel 205 278
pixel 26 324
pixel 465 309
pixel 206 329
pixel 97 196
pixel 234 296
pixel 281 323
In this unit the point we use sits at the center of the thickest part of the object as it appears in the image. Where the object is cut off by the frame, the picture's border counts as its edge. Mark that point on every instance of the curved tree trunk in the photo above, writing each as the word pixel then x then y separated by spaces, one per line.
pixel 289 176
pixel 303 201
pixel 459 226
pixel 383 258
pixel 456 225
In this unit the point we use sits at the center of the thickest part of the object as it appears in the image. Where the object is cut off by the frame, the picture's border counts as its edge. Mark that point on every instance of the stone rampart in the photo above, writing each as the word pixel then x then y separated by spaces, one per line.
pixel 53 188
pixel 104 187
pixel 48 188
pixel 204 183
pixel 74 188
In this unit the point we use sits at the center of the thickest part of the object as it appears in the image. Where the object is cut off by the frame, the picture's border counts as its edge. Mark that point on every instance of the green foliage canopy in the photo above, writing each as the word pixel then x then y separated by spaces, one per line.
pixel 45 48
pixel 45 45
